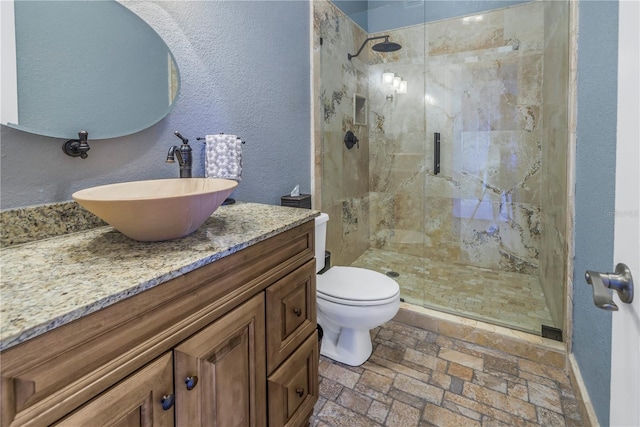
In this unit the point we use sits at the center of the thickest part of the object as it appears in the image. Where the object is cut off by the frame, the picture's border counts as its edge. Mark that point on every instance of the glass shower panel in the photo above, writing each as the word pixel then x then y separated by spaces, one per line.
pixel 398 162
pixel 482 211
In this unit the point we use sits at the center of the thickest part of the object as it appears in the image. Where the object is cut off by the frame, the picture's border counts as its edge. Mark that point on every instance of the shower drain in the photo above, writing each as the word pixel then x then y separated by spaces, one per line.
pixel 392 274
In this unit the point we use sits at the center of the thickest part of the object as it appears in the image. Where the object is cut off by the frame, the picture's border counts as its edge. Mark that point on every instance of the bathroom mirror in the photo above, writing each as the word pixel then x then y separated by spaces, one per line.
pixel 88 65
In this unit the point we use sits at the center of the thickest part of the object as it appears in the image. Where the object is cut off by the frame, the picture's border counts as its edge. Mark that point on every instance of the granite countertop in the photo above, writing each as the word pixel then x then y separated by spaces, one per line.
pixel 51 282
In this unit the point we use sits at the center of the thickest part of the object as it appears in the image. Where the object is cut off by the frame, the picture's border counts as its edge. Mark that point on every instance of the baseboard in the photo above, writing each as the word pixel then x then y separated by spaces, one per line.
pixel 588 414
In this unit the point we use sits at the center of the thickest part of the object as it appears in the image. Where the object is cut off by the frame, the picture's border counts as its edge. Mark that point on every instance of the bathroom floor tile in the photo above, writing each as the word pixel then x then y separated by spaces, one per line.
pixel 434 380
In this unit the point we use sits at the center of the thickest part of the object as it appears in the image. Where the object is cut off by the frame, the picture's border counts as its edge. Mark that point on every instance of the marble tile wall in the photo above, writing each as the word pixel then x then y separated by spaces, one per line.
pixel 344 186
pixel 478 82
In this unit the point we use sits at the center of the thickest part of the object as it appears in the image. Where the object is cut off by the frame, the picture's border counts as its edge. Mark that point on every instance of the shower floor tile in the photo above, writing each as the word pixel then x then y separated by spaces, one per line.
pixel 508 299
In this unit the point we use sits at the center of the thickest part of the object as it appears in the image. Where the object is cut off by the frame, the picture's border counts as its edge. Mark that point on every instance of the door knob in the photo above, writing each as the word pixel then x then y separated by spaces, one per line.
pixel 620 281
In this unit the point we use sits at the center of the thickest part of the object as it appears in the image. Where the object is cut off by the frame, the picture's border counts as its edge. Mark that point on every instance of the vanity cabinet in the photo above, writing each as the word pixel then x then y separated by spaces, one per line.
pixel 232 343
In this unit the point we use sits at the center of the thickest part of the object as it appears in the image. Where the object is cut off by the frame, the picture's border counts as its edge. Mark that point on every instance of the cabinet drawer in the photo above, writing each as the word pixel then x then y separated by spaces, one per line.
pixel 137 400
pixel 293 388
pixel 291 313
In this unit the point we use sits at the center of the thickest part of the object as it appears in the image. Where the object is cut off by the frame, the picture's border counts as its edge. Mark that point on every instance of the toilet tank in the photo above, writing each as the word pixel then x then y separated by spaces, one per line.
pixel 321 239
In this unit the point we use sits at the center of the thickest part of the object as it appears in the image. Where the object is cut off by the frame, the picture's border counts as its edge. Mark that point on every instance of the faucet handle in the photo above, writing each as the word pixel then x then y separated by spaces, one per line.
pixel 184 140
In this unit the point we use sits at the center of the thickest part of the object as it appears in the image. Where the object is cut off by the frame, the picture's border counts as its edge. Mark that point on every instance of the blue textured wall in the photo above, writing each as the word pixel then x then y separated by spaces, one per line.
pixel 389 14
pixel 245 70
pixel 357 10
pixel 382 15
pixel 595 197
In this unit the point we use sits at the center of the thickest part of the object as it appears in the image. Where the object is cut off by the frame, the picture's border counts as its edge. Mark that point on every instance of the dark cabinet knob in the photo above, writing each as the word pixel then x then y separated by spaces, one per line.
pixel 167 401
pixel 297 311
pixel 299 391
pixel 191 382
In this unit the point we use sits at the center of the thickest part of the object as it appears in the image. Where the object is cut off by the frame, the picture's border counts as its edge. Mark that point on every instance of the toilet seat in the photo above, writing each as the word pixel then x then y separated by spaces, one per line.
pixel 356 286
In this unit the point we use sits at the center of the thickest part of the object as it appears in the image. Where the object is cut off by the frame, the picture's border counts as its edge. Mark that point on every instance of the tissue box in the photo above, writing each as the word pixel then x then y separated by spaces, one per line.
pixel 301 201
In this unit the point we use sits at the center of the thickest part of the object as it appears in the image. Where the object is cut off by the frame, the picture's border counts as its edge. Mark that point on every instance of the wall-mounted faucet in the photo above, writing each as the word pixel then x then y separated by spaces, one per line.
pixel 77 147
pixel 183 153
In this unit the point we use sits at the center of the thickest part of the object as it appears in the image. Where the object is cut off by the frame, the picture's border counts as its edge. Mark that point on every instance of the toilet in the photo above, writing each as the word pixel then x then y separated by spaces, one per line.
pixel 350 302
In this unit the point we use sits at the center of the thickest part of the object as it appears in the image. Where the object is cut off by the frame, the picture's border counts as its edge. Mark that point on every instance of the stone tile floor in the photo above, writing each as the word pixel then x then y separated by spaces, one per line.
pixel 419 378
pixel 504 298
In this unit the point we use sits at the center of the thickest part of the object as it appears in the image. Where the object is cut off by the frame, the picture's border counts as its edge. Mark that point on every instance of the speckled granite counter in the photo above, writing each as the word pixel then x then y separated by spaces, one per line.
pixel 48 283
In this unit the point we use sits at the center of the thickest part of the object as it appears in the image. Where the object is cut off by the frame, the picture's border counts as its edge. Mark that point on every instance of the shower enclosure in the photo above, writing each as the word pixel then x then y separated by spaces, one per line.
pixel 458 183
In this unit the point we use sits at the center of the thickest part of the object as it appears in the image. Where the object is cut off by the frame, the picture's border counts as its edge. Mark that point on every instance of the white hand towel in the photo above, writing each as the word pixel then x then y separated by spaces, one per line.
pixel 223 157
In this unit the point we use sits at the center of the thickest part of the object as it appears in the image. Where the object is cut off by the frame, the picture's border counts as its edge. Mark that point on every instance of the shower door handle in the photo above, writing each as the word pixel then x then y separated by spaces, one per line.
pixel 436 153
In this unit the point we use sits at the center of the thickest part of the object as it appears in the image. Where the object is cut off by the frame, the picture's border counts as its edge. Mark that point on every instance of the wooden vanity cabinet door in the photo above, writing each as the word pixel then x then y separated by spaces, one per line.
pixel 291 313
pixel 293 387
pixel 134 401
pixel 228 359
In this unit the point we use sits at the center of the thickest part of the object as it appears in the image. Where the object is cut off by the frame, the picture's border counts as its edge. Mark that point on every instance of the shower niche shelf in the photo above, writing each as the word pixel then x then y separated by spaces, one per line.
pixel 359 110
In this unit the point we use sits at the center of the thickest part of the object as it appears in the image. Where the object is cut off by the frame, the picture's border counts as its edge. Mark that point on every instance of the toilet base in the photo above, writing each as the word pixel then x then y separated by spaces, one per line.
pixel 353 347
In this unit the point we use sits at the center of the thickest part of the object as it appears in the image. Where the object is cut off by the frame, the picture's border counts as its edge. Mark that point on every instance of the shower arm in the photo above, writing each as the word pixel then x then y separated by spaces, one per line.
pixel 365 42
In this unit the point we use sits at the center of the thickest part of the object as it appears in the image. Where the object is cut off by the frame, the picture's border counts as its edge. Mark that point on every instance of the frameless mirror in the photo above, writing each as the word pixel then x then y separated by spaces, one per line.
pixel 89 65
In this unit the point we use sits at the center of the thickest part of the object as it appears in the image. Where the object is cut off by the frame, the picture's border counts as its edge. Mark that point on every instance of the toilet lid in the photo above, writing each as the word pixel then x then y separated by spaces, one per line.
pixel 356 284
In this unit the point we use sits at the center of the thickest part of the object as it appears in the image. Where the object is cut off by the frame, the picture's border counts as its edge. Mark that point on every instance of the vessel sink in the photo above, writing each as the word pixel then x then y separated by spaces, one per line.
pixel 151 211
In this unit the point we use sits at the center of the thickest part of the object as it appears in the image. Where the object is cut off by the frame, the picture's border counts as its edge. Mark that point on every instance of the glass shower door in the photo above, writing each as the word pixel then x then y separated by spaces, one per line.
pixel 483 209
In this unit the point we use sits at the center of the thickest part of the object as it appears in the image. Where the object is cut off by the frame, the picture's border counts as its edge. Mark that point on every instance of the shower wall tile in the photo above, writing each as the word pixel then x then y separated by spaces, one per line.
pixel 381 218
pixel 483 31
pixel 522 26
pixel 345 240
pixel 317 112
pixel 350 213
pixel 397 171
pixel 332 171
pixel 504 164
pixel 442 230
pixel 344 186
pixel 480 243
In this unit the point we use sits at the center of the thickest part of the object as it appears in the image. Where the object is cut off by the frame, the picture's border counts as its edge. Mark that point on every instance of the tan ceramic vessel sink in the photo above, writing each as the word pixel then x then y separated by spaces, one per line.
pixel 156 210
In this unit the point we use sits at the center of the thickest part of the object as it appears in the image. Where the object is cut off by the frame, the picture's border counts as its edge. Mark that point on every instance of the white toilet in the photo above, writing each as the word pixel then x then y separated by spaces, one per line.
pixel 350 302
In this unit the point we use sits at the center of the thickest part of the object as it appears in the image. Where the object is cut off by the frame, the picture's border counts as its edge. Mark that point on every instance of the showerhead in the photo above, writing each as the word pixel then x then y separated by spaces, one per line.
pixel 385 46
